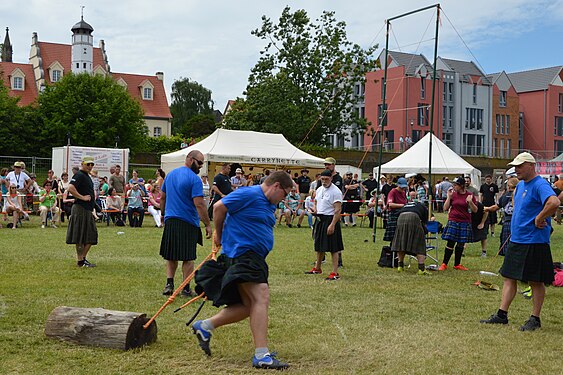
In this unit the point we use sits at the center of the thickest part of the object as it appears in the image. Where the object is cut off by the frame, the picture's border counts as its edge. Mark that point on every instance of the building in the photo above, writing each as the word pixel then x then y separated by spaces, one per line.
pixel 48 62
pixel 540 93
pixel 506 133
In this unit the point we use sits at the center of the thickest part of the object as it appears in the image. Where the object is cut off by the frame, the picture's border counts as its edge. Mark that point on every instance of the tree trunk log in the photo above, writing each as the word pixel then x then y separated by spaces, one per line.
pixel 100 327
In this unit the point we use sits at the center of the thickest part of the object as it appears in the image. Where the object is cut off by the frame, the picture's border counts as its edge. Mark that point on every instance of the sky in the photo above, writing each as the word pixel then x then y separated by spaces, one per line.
pixel 210 41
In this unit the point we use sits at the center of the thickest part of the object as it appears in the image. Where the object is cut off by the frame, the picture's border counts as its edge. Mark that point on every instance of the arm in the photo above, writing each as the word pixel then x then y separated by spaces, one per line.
pixel 471 204
pixel 43 196
pixel 72 190
pixel 219 215
pixel 483 220
pixel 153 201
pixel 202 211
pixel 493 208
pixel 448 201
pixel 216 190
pixel 549 208
pixel 162 203
pixel 335 218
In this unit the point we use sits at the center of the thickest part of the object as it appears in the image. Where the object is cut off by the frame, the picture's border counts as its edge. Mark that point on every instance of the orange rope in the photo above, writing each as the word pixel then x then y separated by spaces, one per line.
pixel 212 255
pixel 202 295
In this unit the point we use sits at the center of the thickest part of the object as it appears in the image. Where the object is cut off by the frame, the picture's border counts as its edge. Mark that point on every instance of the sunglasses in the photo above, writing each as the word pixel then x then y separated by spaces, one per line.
pixel 90 164
pixel 199 162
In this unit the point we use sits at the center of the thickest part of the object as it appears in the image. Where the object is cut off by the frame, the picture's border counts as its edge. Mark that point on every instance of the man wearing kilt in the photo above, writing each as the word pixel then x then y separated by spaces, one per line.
pixel 327 232
pixel 244 222
pixel 396 199
pixel 181 207
pixel 528 256
pixel 82 229
pixel 458 230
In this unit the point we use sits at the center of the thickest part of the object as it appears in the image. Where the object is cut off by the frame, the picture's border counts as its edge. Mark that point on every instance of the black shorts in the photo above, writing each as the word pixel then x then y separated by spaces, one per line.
pixel 528 262
pixel 179 240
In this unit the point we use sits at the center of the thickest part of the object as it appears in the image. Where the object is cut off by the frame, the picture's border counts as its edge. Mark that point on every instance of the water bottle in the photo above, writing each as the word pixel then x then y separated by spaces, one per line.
pixel 487 273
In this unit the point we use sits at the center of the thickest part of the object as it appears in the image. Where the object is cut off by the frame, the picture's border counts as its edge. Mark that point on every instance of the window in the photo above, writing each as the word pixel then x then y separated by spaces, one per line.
pixel 422 87
pixel 416 135
pixel 558 147
pixel 357 89
pixel 447 139
pixel 450 92
pixel 495 150
pixel 559 126
pixel 507 123
pixel 84 65
pixel 560 103
pixel 501 148
pixel 390 137
pixel 340 141
pixel 508 147
pixel 502 99
pixel 497 121
pixel 422 118
pixel 380 119
pixel 157 132
pixel 474 118
pixel 445 93
pixel 56 75
pixel 474 93
pixel 473 144
pixel 147 93
pixel 450 117
pixel 501 124
pixel 444 116
pixel 362 112
pixel 17 83
pixel 77 65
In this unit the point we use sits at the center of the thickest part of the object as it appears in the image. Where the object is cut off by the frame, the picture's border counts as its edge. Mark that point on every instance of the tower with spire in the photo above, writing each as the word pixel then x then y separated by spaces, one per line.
pixel 82 47
pixel 7 49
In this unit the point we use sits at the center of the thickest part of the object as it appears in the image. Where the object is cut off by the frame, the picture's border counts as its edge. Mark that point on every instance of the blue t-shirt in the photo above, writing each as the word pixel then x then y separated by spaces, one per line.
pixel 529 199
pixel 181 186
pixel 249 224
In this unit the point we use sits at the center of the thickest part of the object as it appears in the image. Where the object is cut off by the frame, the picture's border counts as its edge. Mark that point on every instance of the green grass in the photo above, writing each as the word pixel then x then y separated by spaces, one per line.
pixel 373 320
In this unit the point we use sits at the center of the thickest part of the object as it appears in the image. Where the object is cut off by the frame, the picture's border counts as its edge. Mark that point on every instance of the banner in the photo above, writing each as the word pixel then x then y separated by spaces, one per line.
pixel 549 167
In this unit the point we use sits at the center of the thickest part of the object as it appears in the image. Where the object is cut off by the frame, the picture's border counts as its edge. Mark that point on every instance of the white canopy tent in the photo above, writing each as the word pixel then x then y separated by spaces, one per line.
pixel 444 161
pixel 245 147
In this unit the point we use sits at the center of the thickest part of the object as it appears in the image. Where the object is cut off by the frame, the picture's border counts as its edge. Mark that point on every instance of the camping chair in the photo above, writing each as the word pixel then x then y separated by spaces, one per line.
pixel 432 241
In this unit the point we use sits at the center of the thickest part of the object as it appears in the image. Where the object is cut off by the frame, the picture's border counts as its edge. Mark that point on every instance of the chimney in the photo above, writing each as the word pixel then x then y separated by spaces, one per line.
pixel 160 76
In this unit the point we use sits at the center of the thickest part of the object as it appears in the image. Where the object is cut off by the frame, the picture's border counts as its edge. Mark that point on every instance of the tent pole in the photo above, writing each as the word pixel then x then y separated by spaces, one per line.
pixel 430 184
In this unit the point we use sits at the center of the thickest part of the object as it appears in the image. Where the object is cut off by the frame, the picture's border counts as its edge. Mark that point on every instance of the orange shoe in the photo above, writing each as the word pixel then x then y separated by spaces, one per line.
pixel 459 267
pixel 443 267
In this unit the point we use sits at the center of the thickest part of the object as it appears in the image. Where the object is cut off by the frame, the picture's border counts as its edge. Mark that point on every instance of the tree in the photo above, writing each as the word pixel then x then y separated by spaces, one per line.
pixel 303 84
pixel 94 109
pixel 189 99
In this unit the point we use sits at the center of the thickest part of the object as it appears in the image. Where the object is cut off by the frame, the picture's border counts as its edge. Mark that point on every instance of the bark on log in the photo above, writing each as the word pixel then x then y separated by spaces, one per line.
pixel 100 327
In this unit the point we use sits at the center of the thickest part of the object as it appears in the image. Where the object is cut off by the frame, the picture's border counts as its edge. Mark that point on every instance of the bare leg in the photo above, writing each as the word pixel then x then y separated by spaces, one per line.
pixel 401 255
pixel 538 295
pixel 421 258
pixel 334 261
pixel 320 256
pixel 187 268
pixel 85 249
pixel 171 266
pixel 508 293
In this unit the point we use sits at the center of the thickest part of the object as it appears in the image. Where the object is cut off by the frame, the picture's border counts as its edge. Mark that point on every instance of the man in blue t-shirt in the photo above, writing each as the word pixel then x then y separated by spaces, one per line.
pixel 244 222
pixel 528 256
pixel 182 207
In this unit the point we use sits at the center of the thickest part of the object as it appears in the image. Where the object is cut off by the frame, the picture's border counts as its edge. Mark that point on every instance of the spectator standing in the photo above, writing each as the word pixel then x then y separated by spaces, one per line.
pixel 206 189
pixel 370 185
pixel 304 184
pixel 506 203
pixel 266 174
pixel 182 207
pixel 469 186
pixel 488 196
pixel 160 176
pixel 117 181
pixel 351 193
pixel 221 186
pixel 401 143
pixel 54 183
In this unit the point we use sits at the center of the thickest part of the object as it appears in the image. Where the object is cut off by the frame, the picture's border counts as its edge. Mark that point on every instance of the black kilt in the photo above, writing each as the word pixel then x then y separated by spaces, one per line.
pixel 391 225
pixel 324 242
pixel 492 218
pixel 179 240
pixel 219 279
pixel 528 262
pixel 81 227
pixel 480 234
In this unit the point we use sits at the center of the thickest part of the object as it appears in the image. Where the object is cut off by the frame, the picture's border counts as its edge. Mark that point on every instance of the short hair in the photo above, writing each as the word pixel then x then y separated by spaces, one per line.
pixel 279 176
pixel 488 176
pixel 47 182
pixel 118 166
pixel 64 174
pixel 512 182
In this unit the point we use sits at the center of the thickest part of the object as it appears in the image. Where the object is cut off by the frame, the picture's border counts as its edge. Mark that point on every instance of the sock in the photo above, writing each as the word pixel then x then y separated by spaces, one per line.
pixel 207 325
pixel 261 352
pixel 447 255
pixel 401 264
pixel 484 251
pixel 170 280
pixel 537 318
pixel 421 266
pixel 458 254
pixel 501 313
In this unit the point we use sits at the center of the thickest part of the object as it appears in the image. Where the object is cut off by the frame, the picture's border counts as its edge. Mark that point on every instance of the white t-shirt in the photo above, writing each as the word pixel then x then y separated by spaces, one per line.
pixel 18 180
pixel 309 204
pixel 326 197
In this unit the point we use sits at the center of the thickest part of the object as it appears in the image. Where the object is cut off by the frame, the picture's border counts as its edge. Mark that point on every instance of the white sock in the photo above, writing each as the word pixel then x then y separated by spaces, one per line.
pixel 207 325
pixel 261 352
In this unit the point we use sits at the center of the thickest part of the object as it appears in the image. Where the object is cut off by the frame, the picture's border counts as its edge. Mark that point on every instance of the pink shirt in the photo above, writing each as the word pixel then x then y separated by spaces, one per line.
pixel 396 196
pixel 155 197
pixel 459 208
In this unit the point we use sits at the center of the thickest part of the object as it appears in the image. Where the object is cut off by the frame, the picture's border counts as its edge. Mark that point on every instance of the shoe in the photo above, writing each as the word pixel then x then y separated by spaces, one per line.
pixel 188 293
pixel 42 226
pixel 527 290
pixel 88 264
pixel 492 234
pixel 484 254
pixel 530 325
pixel 168 290
pixel 269 362
pixel 495 319
pixel 459 267
pixel 53 226
pixel 298 225
pixel 354 224
pixel 333 276
pixel 423 273
pixel 203 337
pixel 443 267
pixel 400 269
pixel 314 271
pixel 289 225
pixel 528 294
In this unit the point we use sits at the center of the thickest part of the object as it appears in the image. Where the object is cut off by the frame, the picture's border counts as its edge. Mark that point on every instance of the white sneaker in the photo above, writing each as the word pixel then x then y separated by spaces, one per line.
pixel 42 226
pixel 53 226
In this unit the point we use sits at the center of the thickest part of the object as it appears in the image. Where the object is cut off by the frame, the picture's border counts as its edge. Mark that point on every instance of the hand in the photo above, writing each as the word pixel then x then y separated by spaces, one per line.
pixel 450 192
pixel 469 198
pixel 540 223
pixel 330 230
pixel 87 198
pixel 480 226
pixel 208 232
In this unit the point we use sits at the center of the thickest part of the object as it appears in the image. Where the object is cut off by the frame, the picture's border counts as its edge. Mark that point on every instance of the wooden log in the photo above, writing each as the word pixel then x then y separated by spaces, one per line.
pixel 100 327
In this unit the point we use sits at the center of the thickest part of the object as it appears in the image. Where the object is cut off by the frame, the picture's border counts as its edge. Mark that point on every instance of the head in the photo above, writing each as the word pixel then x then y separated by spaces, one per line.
pixel 459 184
pixel 467 181
pixel 94 173
pixel 112 169
pixel 326 177
pixel 33 176
pixel 511 183
pixel 155 188
pixel 194 161
pixel 117 169
pixel 238 172
pixel 75 170
pixel 330 164
pixel 64 176
pixel 13 189
pixel 112 191
pixel 402 183
pixel 226 168
pixel 412 196
pixel 18 167
pixel 3 171
pixel 266 172
pixel 349 175
pixel 135 187
pixel 87 164
pixel 488 179
pixel 160 173
pixel 382 179
pixel 204 177
pixel 135 174
pixel 304 172
pixel 277 186
pixel 50 174
pixel 525 166
pixel 47 185
pixel 370 176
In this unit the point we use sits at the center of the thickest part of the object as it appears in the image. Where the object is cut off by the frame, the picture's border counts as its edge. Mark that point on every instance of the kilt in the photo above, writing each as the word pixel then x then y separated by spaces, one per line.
pixel 457 232
pixel 492 218
pixel 504 236
pixel 179 240
pixel 81 227
pixel 219 279
pixel 324 242
pixel 391 225
pixel 480 234
pixel 528 262
pixel 409 236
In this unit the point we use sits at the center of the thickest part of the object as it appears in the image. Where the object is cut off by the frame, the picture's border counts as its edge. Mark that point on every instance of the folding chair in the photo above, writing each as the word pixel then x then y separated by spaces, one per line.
pixel 432 241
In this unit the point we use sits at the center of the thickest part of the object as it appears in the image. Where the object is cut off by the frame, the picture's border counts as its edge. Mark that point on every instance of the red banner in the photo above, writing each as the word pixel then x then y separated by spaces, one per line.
pixel 549 167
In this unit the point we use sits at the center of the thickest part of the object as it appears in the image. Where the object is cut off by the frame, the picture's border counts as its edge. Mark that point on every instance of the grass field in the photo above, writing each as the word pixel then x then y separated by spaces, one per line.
pixel 373 320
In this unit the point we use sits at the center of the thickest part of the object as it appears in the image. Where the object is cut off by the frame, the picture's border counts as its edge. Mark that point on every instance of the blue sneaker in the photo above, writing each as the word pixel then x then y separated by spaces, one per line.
pixel 269 362
pixel 203 337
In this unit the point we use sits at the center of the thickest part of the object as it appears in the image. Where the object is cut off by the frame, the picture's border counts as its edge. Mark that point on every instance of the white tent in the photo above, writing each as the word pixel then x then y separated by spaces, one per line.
pixel 245 147
pixel 444 161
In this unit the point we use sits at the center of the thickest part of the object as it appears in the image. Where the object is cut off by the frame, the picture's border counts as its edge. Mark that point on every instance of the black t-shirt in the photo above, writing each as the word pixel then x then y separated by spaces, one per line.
pixel 386 189
pixel 489 193
pixel 476 217
pixel 304 183
pixel 83 184
pixel 223 183
pixel 337 181
pixel 351 194
pixel 418 208
pixel 370 185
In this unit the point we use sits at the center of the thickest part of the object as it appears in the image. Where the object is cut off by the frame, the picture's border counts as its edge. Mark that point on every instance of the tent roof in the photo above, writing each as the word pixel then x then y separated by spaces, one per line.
pixel 415 160
pixel 247 147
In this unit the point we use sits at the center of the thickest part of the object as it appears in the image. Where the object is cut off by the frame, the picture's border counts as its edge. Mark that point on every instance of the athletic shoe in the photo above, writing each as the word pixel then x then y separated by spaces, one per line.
pixel 530 325
pixel 289 225
pixel 423 273
pixel 400 269
pixel 88 264
pixel 53 226
pixel 314 271
pixel 188 293
pixel 484 254
pixel 168 289
pixel 527 290
pixel 298 225
pixel 333 276
pixel 459 267
pixel 269 362
pixel 495 319
pixel 527 294
pixel 203 337
pixel 492 234
pixel 443 267
pixel 42 226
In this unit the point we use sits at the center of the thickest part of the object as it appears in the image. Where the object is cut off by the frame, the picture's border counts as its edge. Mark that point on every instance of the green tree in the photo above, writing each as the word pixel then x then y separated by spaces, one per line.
pixel 189 99
pixel 303 84
pixel 94 110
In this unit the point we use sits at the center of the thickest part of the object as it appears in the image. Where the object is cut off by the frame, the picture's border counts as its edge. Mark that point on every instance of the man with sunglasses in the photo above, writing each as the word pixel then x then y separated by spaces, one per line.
pixel 181 208
pixel 82 230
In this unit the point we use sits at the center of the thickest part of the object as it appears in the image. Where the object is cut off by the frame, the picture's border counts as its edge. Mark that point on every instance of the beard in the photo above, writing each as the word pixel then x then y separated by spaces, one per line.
pixel 195 168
